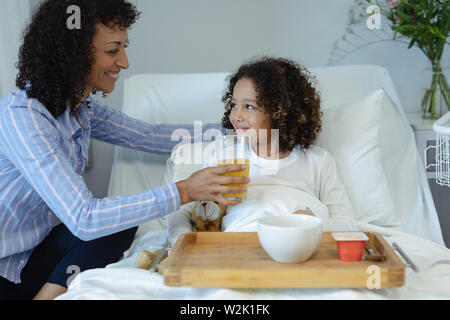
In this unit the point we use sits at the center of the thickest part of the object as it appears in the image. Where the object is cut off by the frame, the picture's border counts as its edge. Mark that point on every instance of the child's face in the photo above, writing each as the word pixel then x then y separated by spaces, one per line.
pixel 245 112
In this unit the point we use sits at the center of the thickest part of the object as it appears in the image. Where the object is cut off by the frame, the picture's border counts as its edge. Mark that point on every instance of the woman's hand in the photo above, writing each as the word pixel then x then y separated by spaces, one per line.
pixel 208 185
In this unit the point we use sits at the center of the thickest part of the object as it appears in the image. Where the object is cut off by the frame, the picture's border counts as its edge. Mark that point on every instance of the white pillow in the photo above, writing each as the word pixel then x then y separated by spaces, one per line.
pixel 350 133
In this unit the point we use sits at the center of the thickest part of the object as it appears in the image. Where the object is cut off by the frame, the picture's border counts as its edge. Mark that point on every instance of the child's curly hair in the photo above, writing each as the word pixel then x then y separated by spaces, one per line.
pixel 285 92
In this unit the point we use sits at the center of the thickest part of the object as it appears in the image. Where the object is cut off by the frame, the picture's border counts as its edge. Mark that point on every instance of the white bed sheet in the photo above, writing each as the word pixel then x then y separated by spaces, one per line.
pixel 124 281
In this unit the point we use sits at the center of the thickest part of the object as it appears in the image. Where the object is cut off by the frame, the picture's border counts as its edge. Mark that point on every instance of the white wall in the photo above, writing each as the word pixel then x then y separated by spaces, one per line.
pixel 13 17
pixel 218 35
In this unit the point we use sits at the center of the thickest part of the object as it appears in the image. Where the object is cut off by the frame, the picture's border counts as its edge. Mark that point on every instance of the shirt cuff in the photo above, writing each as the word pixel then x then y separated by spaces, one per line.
pixel 168 199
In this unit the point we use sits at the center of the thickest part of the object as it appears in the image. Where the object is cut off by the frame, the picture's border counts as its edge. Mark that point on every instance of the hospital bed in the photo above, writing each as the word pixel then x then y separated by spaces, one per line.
pixel 364 129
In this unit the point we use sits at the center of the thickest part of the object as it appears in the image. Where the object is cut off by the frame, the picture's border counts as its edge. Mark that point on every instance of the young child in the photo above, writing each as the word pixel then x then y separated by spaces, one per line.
pixel 276 93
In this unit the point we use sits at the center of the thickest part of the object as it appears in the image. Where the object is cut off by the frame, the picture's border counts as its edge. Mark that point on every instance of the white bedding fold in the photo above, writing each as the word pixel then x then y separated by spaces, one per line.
pixel 264 200
pixel 280 200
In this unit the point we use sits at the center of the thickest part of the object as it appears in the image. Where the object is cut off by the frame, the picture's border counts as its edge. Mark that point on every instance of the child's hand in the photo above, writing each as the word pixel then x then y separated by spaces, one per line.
pixel 303 212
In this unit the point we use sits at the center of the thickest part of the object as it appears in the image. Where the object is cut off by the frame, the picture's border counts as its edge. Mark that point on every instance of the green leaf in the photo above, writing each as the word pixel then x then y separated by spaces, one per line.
pixel 435 32
pixel 403 15
pixel 407 29
pixel 412 43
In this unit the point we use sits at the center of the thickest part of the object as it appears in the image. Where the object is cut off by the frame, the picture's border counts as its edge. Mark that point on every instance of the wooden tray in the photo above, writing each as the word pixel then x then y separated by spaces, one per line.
pixel 237 260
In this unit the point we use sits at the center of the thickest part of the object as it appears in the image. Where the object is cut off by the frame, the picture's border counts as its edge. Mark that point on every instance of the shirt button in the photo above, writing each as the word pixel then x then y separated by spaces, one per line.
pixel 49 213
pixel 22 262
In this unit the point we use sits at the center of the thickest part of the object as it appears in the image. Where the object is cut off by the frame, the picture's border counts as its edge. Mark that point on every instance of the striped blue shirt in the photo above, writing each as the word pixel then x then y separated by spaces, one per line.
pixel 41 162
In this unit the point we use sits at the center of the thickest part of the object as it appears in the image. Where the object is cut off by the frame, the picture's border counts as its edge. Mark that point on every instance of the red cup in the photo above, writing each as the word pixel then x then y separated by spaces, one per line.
pixel 350 250
pixel 350 245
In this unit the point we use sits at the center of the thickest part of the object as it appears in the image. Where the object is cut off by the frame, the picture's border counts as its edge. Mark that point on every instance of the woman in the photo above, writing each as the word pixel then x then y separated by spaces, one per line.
pixel 45 129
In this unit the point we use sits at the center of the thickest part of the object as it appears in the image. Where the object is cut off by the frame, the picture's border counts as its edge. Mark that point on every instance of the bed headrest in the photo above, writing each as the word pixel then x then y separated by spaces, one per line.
pixel 175 98
pixel 185 97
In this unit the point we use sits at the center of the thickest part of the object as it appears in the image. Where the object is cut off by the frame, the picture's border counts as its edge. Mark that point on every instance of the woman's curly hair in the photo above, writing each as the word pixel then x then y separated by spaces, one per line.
pixel 55 60
pixel 285 91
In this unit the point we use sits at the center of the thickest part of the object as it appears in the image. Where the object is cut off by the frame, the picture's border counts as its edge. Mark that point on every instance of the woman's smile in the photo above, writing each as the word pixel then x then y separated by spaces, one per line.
pixel 112 75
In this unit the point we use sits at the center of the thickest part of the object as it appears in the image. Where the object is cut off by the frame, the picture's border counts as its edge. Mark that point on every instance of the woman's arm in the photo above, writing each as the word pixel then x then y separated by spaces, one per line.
pixel 117 128
pixel 31 142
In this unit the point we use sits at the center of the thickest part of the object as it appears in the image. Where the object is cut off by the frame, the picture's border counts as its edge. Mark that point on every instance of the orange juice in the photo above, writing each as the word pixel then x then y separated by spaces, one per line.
pixel 243 173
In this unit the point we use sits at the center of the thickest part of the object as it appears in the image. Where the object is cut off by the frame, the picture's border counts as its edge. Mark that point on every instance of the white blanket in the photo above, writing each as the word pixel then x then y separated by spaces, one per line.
pixel 266 200
pixel 123 280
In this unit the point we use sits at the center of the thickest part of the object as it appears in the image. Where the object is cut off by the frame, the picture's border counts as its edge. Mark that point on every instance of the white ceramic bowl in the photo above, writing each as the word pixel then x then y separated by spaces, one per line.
pixel 290 239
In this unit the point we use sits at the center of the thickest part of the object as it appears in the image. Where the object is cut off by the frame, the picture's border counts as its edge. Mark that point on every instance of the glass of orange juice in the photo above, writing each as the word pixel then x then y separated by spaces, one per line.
pixel 234 149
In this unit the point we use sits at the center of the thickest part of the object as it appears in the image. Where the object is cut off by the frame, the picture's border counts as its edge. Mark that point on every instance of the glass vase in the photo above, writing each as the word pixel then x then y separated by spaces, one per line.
pixel 435 89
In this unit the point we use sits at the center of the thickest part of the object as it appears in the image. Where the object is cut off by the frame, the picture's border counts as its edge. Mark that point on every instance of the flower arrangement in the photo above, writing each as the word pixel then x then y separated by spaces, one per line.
pixel 427 24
